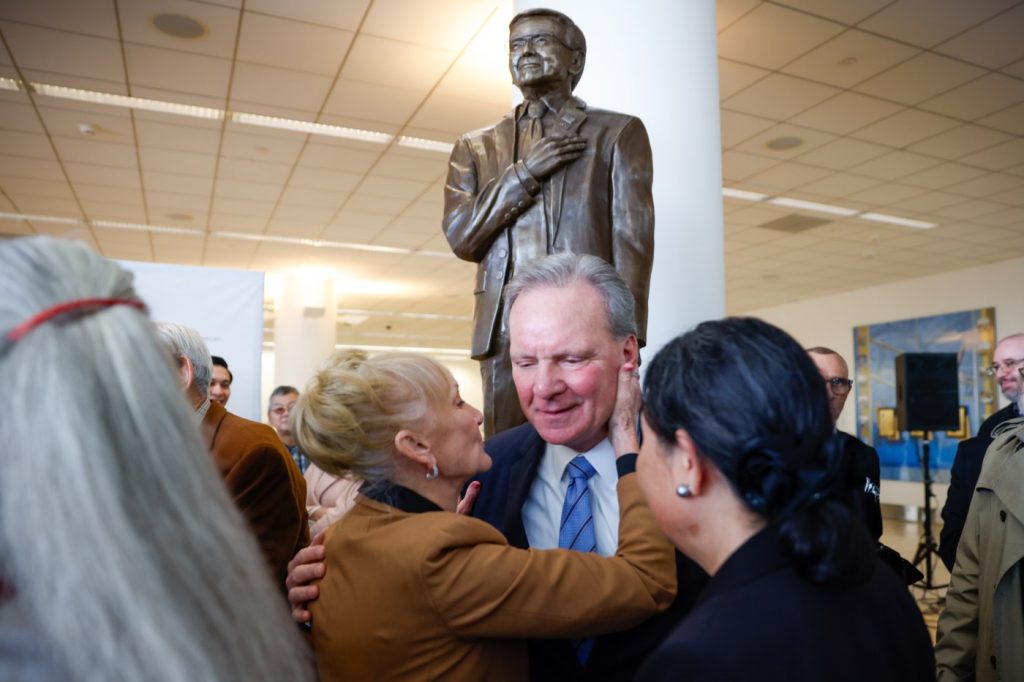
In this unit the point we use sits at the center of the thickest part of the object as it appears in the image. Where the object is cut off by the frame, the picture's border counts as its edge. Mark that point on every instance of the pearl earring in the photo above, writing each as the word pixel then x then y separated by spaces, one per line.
pixel 684 491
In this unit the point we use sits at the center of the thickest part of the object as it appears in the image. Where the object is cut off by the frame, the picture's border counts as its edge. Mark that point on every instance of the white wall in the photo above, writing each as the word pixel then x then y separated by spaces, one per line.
pixel 829 321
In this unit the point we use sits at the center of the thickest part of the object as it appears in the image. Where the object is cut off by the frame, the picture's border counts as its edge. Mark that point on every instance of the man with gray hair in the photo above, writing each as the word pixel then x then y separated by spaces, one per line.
pixel 261 477
pixel 572 334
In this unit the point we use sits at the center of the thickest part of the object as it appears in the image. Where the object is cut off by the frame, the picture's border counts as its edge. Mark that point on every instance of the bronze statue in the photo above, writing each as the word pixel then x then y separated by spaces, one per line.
pixel 551 176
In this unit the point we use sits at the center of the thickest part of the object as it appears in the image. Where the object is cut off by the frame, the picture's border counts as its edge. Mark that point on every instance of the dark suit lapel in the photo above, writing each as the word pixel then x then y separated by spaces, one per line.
pixel 521 477
pixel 570 118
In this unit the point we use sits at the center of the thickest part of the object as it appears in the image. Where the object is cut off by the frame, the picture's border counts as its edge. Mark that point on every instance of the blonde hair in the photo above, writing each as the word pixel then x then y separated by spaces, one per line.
pixel 347 418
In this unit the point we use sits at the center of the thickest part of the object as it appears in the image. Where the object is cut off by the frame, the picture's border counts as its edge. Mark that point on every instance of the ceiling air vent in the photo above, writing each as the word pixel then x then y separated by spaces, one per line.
pixel 794 223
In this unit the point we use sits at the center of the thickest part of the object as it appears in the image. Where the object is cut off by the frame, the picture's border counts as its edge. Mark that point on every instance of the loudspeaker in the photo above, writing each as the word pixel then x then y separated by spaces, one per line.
pixel 927 392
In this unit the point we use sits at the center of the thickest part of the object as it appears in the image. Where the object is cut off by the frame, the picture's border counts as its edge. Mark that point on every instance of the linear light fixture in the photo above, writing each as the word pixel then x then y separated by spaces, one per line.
pixel 324 243
pixel 312 128
pixel 127 102
pixel 423 143
pixel 813 206
pixel 142 227
pixel 800 204
pixel 10 84
pixel 896 220
pixel 743 194
pixel 41 218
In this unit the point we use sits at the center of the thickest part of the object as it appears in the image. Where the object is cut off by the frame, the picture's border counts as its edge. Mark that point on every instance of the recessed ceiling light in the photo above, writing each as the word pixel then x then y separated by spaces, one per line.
pixel 813 206
pixel 179 26
pixel 783 143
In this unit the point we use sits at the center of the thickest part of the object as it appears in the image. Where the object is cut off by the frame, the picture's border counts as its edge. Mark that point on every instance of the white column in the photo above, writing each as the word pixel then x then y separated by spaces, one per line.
pixel 305 327
pixel 657 59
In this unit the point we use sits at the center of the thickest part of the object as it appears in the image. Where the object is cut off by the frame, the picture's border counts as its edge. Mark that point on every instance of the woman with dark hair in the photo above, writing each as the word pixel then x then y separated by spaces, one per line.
pixel 742 472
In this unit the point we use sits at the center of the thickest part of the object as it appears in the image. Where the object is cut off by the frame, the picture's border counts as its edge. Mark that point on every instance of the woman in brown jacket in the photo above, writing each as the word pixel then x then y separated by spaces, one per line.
pixel 414 590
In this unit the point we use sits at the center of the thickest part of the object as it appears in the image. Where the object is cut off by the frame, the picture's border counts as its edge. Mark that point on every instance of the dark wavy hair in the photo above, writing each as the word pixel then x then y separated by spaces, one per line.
pixel 754 404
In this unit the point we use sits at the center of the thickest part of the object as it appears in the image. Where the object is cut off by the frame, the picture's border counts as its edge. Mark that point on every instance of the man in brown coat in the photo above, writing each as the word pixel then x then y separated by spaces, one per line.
pixel 553 176
pixel 260 475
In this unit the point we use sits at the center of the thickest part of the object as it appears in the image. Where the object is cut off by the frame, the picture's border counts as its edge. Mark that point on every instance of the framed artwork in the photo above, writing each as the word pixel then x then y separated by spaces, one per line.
pixel 971 335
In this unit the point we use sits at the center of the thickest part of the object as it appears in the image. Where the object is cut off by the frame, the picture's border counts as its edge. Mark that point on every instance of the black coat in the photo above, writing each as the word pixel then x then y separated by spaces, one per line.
pixel 516 454
pixel 759 620
pixel 963 478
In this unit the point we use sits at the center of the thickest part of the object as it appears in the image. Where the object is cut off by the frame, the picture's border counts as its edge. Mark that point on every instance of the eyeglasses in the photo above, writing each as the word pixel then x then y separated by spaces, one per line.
pixel 840 386
pixel 534 41
pixel 1007 364
pixel 281 410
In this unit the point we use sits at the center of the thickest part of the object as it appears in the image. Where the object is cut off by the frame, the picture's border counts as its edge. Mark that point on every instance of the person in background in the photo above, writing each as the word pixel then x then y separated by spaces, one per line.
pixel 112 514
pixel 263 480
pixel 415 591
pixel 981 630
pixel 220 382
pixel 279 412
pixel 743 472
pixel 1008 360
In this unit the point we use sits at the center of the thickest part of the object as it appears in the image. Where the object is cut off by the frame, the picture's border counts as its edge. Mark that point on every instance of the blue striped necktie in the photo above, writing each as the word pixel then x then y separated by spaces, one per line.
pixel 577 527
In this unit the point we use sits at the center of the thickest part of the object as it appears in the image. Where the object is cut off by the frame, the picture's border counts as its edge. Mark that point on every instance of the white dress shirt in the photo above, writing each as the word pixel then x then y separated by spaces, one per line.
pixel 542 511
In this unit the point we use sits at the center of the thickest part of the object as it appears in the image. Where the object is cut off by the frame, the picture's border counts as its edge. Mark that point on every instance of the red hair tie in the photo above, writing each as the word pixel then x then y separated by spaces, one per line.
pixel 82 304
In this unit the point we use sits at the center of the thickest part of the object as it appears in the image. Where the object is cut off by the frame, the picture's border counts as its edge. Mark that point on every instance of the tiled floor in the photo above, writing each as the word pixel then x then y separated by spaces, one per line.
pixel 904 537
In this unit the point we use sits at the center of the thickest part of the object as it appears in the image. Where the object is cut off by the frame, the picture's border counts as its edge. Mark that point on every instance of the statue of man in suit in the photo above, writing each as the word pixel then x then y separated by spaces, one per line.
pixel 552 176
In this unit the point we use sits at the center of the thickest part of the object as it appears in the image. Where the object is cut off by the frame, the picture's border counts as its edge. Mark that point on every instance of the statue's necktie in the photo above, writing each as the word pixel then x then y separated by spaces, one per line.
pixel 577 527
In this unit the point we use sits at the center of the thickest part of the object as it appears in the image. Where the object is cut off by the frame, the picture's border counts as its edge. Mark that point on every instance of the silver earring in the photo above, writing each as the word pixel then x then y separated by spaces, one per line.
pixel 684 491
pixel 433 473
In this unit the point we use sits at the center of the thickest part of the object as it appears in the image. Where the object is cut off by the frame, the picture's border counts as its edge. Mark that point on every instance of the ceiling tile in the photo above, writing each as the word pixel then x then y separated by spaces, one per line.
pixel 395 64
pixel 371 204
pixel 321 155
pixel 301 196
pixel 393 188
pixel 453 115
pixel 339 183
pixel 943 175
pixel 92 17
pixel 288 44
pixel 737 127
pixel 959 142
pixel 395 164
pixel 1011 217
pixel 164 205
pixel 480 76
pixel 728 11
pixel 842 11
pixel 19 116
pixel 261 148
pixel 733 77
pixel 987 185
pixel 176 137
pixel 221 26
pixel 812 139
pixel 112 125
pixel 994 44
pixel 255 84
pixel 920 78
pixel 839 185
pixel 19 143
pixel 1009 120
pixel 125 213
pixel 112 195
pixel 928 22
pixel 412 21
pixel 778 96
pixel 895 165
pixel 118 87
pixel 249 191
pixel 850 58
pixel 787 175
pixel 224 222
pixel 771 36
pixel 843 154
pixel 16 187
pixel 372 102
pixel 23 166
pixel 346 15
pixel 177 71
pixel 988 94
pixel 79 55
pixel 929 201
pixel 738 165
pixel 845 112
pixel 303 213
pixel 95 151
pixel 968 210
pixel 170 161
pixel 111 176
pixel 998 157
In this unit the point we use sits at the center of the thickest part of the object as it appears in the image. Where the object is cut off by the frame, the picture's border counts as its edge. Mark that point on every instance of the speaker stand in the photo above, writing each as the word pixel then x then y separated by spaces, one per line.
pixel 927 549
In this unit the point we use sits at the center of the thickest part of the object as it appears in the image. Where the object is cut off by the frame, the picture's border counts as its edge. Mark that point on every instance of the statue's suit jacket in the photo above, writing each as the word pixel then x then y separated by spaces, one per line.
pixel 600 204
pixel 264 482
pixel 516 454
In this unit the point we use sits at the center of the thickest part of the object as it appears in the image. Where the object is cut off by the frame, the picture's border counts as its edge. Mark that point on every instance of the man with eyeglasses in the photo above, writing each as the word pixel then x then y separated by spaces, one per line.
pixel 553 176
pixel 864 466
pixel 279 413
pixel 1007 363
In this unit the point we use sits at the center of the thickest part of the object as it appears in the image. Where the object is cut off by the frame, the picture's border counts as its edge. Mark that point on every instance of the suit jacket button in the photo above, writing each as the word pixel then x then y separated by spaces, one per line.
pixel 992 660
pixel 1002 515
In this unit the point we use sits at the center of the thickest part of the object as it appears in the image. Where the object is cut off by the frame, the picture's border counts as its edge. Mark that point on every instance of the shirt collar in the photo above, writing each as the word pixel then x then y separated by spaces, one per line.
pixel 203 408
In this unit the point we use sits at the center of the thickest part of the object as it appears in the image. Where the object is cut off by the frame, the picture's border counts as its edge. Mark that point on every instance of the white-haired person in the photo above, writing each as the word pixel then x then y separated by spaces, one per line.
pixel 414 590
pixel 112 516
